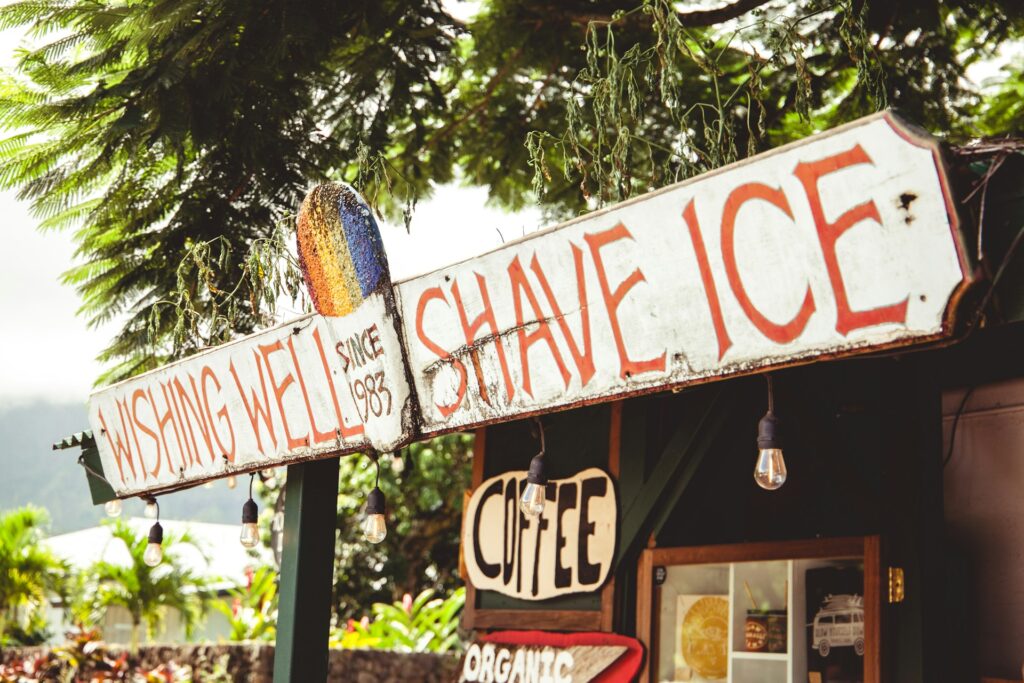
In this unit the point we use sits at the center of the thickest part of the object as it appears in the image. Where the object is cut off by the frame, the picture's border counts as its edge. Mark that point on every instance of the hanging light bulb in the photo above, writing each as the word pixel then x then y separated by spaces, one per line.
pixel 113 508
pixel 375 526
pixel 154 550
pixel 232 482
pixel 250 536
pixel 532 500
pixel 770 470
pixel 151 510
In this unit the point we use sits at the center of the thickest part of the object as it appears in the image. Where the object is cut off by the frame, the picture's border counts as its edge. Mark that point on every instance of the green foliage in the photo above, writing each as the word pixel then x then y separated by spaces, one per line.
pixel 154 128
pixel 423 624
pixel 86 658
pixel 29 575
pixel 148 592
pixel 252 609
pixel 177 138
pixel 423 485
pixel 675 100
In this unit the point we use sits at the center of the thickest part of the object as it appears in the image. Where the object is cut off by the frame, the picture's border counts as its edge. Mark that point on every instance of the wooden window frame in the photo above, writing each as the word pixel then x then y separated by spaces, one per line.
pixel 868 547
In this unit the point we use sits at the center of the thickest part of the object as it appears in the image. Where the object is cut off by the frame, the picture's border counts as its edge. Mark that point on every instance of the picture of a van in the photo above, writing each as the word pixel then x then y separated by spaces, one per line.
pixel 839 623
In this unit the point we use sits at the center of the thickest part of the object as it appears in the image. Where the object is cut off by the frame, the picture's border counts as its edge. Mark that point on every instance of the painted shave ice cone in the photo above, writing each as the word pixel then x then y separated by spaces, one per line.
pixel 340 249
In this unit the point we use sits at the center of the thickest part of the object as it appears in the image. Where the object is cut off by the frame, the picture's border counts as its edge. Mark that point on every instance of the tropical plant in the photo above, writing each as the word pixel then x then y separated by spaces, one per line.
pixel 29 575
pixel 423 484
pixel 252 609
pixel 148 592
pixel 86 658
pixel 423 624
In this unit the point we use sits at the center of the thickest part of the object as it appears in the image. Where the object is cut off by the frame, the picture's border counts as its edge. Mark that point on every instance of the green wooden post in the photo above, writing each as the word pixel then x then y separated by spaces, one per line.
pixel 307 572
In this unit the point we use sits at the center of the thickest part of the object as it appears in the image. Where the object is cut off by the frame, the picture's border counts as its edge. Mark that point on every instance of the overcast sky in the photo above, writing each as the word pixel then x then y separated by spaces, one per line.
pixel 48 351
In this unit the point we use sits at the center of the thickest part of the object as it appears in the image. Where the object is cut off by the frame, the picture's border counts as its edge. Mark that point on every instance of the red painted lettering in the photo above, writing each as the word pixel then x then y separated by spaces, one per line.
pixel 520 286
pixel 169 391
pixel 374 337
pixel 161 424
pixel 584 361
pixel 345 430
pixel 256 409
pixel 279 389
pixel 318 436
pixel 188 406
pixel 710 290
pixel 612 300
pixel 136 395
pixel 426 297
pixel 809 173
pixel 780 334
pixel 486 317
pixel 204 379
pixel 119 446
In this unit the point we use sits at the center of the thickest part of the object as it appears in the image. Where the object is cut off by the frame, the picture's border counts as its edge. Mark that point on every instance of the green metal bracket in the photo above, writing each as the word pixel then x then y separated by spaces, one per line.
pixel 672 472
pixel 307 571
pixel 99 489
pixel 89 459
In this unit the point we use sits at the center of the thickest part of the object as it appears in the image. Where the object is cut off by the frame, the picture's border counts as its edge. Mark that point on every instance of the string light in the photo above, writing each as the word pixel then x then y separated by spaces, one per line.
pixel 250 535
pixel 151 511
pixel 232 482
pixel 154 549
pixel 532 500
pixel 770 470
pixel 375 526
pixel 113 508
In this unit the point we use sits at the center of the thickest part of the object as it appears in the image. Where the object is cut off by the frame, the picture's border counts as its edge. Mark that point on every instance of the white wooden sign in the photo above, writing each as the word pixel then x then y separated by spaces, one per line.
pixel 492 662
pixel 568 549
pixel 312 386
pixel 546 657
pixel 840 244
pixel 327 383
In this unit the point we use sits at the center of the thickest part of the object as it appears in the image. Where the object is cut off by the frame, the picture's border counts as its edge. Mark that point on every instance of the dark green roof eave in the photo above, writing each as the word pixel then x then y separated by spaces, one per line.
pixel 83 439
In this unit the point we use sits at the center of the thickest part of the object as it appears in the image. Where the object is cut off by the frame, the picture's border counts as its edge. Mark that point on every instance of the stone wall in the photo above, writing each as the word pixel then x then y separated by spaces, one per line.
pixel 254 662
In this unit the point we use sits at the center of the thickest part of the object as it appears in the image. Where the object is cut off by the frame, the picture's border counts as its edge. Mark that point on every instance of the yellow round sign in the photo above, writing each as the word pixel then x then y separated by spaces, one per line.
pixel 705 637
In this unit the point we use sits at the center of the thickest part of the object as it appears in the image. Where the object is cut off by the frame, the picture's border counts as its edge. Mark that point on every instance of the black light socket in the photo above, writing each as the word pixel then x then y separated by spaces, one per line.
pixel 769 432
pixel 156 534
pixel 536 473
pixel 250 512
pixel 375 502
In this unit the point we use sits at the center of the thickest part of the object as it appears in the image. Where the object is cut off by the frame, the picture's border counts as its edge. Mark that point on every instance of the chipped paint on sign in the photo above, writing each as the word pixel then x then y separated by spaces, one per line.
pixel 841 244
pixel 323 384
pixel 310 387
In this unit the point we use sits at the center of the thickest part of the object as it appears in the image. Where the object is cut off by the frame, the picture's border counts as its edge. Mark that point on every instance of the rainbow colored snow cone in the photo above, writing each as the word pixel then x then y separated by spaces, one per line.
pixel 340 249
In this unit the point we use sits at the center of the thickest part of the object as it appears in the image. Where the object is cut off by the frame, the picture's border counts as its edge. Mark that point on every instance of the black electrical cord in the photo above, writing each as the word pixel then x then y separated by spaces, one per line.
pixel 956 421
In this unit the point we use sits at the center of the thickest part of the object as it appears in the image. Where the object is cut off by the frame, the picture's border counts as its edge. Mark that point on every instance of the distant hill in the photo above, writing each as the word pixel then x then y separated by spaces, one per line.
pixel 32 473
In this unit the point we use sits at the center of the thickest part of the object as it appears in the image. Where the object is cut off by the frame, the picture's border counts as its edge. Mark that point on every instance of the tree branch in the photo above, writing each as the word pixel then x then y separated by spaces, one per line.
pixel 709 17
pixel 692 19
